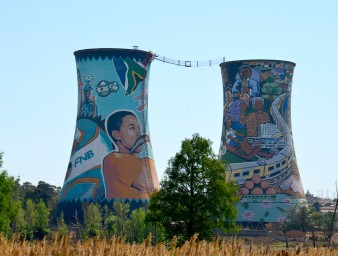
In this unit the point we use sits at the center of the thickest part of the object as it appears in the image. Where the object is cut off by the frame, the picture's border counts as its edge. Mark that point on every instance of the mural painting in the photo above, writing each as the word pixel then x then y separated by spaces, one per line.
pixel 111 156
pixel 257 138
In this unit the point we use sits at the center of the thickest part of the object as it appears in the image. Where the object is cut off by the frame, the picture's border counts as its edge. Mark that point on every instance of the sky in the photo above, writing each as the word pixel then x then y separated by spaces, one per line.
pixel 38 88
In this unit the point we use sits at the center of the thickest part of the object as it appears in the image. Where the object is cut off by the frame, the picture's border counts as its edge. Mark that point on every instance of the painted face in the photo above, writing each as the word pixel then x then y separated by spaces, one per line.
pixel 243 106
pixel 259 104
pixel 228 96
pixel 87 95
pixel 245 73
pixel 228 123
pixel 129 132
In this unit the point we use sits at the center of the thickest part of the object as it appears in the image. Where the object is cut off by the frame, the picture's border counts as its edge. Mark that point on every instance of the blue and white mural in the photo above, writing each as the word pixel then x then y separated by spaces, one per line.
pixel 111 156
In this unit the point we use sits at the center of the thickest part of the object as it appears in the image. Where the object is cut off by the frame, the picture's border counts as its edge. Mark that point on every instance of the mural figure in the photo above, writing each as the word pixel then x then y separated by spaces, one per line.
pixel 126 174
pixel 254 119
pixel 88 106
pixel 246 84
pixel 234 139
pixel 234 110
pixel 242 117
pixel 227 99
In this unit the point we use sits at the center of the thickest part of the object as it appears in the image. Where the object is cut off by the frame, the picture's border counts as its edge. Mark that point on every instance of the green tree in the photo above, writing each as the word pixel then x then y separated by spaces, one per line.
pixel 121 210
pixel 61 225
pixel 299 218
pixel 108 221
pixel 30 219
pixel 92 221
pixel 110 225
pixel 42 220
pixel 323 220
pixel 194 195
pixel 17 191
pixel 27 191
pixel 48 193
pixel 138 228
pixel 19 224
pixel 8 206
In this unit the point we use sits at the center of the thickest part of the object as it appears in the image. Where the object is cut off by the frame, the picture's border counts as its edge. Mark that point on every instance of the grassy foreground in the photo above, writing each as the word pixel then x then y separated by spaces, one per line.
pixel 116 246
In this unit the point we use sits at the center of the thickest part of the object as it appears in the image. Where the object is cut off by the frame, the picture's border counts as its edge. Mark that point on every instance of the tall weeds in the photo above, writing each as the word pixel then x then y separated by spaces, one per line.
pixel 66 245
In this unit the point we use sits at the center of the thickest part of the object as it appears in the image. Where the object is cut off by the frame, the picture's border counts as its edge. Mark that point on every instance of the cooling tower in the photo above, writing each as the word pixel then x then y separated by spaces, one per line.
pixel 111 156
pixel 257 138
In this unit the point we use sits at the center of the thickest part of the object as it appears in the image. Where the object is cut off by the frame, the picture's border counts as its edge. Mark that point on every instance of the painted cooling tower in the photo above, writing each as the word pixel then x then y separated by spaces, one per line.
pixel 257 138
pixel 111 157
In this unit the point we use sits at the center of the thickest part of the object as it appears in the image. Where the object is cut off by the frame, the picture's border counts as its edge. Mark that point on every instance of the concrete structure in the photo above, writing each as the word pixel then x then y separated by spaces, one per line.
pixel 257 138
pixel 111 157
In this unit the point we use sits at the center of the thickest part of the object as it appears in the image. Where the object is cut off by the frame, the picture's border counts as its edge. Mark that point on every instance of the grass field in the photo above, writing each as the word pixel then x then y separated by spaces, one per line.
pixel 116 246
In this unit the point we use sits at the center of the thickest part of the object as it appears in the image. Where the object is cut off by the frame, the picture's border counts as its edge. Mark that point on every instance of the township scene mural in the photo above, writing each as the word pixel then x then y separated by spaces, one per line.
pixel 111 156
pixel 257 138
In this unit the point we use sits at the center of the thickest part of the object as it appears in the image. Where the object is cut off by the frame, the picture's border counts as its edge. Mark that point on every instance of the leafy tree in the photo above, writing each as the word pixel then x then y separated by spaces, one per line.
pixel 42 220
pixel 61 225
pixel 92 220
pixel 17 191
pixel 299 218
pixel 110 225
pixel 28 192
pixel 19 224
pixel 323 220
pixel 194 195
pixel 308 194
pixel 121 210
pixel 8 206
pixel 30 218
pixel 48 193
pixel 139 230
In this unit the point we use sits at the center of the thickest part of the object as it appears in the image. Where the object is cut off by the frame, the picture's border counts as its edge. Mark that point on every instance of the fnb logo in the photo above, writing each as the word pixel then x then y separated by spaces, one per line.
pixel 88 155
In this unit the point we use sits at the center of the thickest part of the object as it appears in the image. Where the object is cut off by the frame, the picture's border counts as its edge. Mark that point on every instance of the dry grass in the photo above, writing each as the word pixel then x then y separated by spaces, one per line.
pixel 116 246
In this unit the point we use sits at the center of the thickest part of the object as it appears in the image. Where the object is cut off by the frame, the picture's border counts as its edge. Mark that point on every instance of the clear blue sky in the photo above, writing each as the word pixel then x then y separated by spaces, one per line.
pixel 38 97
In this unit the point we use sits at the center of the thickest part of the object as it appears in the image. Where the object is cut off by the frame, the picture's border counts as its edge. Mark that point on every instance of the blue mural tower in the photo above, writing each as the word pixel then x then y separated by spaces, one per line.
pixel 111 156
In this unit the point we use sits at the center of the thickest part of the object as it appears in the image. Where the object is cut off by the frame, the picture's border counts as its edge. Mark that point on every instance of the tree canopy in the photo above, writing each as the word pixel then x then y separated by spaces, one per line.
pixel 299 218
pixel 8 207
pixel 194 195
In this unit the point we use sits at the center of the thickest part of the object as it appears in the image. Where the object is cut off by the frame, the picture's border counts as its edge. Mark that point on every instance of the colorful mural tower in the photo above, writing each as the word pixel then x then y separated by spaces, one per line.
pixel 111 156
pixel 257 138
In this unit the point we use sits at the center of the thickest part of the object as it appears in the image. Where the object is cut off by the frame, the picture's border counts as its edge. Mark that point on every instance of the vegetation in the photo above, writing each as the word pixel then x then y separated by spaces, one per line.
pixel 194 200
pixel 299 218
pixel 194 196
pixel 9 207
pixel 116 246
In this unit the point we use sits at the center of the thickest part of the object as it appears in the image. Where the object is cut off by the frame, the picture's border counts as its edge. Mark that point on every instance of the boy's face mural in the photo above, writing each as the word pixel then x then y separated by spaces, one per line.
pixel 129 132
